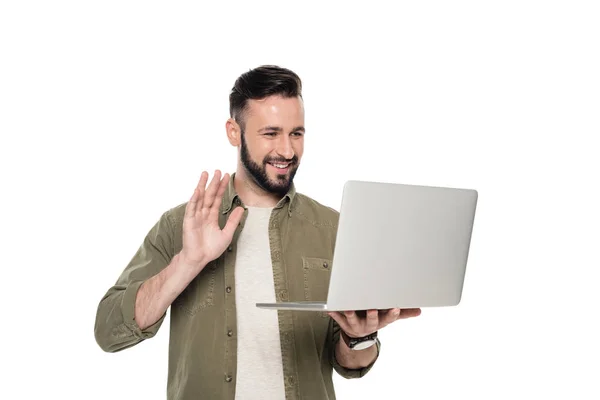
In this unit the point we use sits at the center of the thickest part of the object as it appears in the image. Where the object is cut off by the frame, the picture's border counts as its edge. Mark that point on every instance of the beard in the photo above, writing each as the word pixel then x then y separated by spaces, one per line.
pixel 282 184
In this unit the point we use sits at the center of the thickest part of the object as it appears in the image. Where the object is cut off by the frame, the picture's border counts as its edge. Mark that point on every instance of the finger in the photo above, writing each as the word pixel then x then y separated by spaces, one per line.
pixel 372 320
pixel 352 319
pixel 211 190
pixel 341 321
pixel 409 313
pixel 195 201
pixel 390 316
pixel 219 197
pixel 233 221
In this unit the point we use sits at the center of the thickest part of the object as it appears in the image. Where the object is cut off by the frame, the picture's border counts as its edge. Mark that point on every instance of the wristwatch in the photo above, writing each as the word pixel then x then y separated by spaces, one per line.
pixel 359 343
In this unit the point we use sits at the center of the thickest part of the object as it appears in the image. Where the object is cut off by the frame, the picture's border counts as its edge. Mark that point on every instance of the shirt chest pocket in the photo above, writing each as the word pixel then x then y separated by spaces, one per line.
pixel 317 272
pixel 199 294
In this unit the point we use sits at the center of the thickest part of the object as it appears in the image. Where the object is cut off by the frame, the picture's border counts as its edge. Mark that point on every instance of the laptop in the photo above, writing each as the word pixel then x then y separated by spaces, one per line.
pixel 397 246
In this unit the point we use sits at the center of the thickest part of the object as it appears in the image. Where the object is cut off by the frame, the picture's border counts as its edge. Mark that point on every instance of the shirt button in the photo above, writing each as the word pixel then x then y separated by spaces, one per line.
pixel 228 289
pixel 230 248
pixel 276 256
pixel 230 333
pixel 325 264
pixel 283 295
pixel 228 378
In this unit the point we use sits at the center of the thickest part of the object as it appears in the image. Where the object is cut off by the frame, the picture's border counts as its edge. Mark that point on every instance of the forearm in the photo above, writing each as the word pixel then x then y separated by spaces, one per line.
pixel 354 359
pixel 157 293
pixel 130 313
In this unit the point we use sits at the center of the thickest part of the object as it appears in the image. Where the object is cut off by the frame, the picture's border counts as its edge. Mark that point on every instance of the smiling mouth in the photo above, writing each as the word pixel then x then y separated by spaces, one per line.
pixel 280 166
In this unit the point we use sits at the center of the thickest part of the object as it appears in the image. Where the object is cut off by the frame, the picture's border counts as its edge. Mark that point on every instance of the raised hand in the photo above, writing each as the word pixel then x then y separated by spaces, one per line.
pixel 203 239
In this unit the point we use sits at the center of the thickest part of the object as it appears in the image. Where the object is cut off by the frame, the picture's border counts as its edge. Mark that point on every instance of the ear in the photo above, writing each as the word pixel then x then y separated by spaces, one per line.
pixel 234 133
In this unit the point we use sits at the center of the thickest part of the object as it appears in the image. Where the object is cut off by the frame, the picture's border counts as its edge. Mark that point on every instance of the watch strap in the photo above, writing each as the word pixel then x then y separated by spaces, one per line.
pixel 352 342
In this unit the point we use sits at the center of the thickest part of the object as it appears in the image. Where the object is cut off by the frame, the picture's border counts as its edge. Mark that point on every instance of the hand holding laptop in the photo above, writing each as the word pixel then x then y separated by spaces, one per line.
pixel 360 323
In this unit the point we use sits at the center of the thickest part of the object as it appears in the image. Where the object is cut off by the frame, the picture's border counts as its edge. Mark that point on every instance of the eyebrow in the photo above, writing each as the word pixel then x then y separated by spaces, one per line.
pixel 279 129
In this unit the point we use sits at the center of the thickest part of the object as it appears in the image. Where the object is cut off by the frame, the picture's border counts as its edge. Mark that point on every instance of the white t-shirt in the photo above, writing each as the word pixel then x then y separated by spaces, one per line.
pixel 259 363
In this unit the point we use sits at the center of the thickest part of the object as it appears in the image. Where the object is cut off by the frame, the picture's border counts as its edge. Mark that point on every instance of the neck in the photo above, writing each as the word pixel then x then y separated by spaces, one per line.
pixel 250 193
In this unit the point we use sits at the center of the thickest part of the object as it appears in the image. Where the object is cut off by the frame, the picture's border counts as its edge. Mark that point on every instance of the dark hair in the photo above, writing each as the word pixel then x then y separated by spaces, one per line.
pixel 261 82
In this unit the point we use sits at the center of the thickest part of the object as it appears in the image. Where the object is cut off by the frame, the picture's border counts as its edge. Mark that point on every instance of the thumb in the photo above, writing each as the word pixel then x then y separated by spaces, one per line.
pixel 234 220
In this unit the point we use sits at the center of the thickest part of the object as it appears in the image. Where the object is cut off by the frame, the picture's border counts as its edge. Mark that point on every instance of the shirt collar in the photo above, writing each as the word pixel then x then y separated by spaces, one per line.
pixel 231 199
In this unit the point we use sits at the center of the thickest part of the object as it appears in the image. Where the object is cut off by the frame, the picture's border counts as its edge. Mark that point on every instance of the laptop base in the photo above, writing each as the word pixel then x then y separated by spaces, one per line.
pixel 295 306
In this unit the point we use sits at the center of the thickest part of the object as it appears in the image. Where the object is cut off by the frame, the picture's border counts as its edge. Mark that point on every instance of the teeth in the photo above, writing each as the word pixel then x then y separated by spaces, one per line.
pixel 280 165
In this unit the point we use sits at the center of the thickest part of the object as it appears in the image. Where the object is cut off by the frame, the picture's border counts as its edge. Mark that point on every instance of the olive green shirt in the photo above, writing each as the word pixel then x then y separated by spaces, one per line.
pixel 202 342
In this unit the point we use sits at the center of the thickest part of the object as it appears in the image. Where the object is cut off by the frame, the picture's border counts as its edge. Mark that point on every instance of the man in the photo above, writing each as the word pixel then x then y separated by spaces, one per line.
pixel 242 239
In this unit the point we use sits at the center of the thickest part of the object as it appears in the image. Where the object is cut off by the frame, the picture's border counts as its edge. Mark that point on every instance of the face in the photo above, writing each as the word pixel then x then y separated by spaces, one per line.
pixel 272 142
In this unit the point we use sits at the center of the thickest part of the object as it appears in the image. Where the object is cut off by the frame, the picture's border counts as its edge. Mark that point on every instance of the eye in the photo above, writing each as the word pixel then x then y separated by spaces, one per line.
pixel 298 134
pixel 270 133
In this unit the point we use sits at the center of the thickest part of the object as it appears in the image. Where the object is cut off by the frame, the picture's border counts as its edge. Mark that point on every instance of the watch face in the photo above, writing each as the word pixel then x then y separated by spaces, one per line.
pixel 364 345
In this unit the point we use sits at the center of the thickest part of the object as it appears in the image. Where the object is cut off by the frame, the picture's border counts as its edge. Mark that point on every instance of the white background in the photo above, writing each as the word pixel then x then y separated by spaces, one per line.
pixel 110 110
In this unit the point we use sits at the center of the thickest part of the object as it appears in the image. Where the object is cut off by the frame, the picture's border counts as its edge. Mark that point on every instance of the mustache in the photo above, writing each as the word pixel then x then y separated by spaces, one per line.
pixel 292 161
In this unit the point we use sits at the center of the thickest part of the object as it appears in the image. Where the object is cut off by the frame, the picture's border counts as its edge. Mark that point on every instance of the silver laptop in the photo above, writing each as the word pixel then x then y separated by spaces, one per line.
pixel 397 245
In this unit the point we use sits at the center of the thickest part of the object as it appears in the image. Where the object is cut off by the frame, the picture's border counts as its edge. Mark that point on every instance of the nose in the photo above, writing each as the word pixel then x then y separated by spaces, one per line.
pixel 284 147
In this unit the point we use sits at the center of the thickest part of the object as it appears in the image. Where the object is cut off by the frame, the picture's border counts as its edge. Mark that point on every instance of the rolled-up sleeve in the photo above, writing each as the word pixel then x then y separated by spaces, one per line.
pixel 115 327
pixel 334 338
